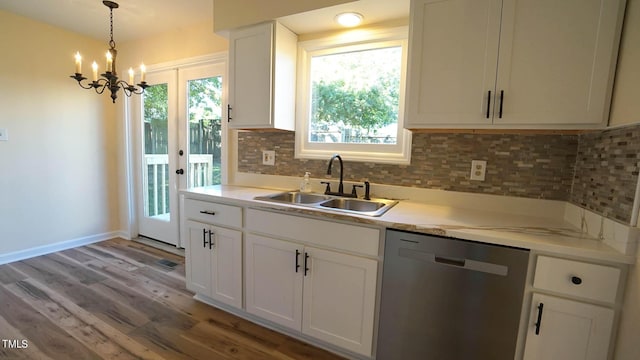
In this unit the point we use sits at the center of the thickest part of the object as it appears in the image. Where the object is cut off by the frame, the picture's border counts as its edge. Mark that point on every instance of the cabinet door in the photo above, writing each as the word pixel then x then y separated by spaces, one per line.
pixel 273 282
pixel 339 299
pixel 568 330
pixel 452 62
pixel 226 267
pixel 250 74
pixel 557 60
pixel 198 258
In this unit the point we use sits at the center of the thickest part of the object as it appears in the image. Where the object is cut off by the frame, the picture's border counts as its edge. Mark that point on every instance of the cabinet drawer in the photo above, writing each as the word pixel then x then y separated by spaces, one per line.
pixel 213 213
pixel 576 278
pixel 330 234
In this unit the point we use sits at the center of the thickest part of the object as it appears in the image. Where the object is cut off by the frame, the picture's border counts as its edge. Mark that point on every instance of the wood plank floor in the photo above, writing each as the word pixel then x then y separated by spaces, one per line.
pixel 115 300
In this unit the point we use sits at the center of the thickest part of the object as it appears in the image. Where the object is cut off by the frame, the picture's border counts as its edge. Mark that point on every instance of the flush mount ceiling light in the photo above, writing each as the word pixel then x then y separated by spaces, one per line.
pixel 349 19
pixel 109 80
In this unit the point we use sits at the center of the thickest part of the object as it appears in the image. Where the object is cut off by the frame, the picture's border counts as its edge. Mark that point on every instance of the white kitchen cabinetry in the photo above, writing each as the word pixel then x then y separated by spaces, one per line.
pixel 262 68
pixel 511 64
pixel 571 328
pixel 273 280
pixel 213 254
pixel 324 293
pixel 568 330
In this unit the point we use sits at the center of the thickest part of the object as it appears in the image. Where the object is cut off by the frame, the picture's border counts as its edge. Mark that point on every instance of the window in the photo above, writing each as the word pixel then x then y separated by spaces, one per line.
pixel 350 94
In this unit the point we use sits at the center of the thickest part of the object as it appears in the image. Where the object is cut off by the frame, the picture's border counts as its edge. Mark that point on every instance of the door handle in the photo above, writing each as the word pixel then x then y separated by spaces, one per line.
pixel 501 102
pixel 179 171
pixel 204 238
pixel 210 239
pixel 488 104
pixel 229 112
pixel 539 322
pixel 297 263
pixel 306 259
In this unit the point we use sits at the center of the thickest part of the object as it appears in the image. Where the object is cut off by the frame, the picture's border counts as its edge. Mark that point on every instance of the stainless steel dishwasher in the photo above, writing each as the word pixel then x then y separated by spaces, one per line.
pixel 449 299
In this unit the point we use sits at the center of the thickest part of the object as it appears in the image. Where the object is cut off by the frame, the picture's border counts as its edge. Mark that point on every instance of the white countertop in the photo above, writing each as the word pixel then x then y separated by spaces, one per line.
pixel 495 227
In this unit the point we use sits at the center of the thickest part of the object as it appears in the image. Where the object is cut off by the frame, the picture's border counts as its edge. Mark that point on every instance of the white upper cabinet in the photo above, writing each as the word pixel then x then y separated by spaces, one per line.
pixel 512 63
pixel 453 52
pixel 262 68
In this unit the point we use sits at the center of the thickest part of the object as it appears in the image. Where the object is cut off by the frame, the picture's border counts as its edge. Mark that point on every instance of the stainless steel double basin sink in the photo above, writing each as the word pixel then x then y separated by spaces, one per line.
pixel 373 207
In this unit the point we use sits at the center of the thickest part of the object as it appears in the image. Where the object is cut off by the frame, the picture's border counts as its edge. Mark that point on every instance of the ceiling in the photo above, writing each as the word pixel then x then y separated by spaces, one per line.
pixel 137 19
pixel 374 11
pixel 134 19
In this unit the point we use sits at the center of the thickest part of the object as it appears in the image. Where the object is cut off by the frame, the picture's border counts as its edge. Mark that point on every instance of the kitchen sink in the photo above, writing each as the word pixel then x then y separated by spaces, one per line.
pixel 373 207
pixel 295 197
pixel 353 204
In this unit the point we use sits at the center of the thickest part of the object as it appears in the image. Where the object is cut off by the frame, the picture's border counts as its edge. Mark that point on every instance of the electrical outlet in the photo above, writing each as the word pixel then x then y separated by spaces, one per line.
pixel 4 135
pixel 478 170
pixel 268 157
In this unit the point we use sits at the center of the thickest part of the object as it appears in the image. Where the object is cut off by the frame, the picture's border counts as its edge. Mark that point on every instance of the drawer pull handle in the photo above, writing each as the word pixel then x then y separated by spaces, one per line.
pixel 539 322
pixel 576 280
pixel 207 212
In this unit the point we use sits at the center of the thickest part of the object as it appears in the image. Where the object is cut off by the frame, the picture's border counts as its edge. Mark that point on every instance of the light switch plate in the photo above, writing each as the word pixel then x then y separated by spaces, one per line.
pixel 4 135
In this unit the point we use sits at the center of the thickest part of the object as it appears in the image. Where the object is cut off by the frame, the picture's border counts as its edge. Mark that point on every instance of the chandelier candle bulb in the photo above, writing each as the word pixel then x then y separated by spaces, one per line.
pixel 143 69
pixel 109 62
pixel 78 63
pixel 94 67
pixel 130 76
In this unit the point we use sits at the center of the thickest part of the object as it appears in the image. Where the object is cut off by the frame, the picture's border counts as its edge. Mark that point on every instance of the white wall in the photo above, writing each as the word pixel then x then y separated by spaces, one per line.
pixel 58 170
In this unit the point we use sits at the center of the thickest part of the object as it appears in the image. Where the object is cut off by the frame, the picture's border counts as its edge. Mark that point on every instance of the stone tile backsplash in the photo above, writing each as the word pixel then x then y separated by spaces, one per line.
pixel 526 165
pixel 596 170
pixel 606 172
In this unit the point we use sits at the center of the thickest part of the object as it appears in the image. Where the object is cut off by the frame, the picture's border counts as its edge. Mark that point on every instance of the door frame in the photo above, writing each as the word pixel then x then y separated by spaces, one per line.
pixel 129 217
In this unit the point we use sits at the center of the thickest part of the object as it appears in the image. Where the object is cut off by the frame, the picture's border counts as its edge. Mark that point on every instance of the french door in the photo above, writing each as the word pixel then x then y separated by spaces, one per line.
pixel 179 142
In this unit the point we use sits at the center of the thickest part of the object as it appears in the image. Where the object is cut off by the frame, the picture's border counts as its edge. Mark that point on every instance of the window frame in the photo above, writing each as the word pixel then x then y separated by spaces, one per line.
pixel 354 40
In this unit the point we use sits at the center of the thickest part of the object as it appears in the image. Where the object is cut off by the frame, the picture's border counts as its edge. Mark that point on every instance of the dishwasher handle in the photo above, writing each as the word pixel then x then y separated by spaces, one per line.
pixel 449 261
pixel 466 264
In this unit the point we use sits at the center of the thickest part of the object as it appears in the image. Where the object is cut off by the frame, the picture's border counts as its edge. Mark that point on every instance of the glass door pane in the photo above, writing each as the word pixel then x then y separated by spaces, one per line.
pixel 156 155
pixel 204 115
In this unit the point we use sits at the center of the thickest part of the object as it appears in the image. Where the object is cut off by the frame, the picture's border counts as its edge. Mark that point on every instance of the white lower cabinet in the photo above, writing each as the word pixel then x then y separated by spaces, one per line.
pixel 273 281
pixel 562 329
pixel 339 299
pixel 322 293
pixel 214 262
pixel 571 327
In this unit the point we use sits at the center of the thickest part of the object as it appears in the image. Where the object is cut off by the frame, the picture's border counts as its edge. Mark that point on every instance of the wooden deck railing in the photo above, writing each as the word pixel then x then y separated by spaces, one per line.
pixel 156 179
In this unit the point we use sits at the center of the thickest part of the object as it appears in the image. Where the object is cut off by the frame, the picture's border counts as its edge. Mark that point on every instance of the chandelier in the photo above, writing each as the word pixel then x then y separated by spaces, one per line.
pixel 109 80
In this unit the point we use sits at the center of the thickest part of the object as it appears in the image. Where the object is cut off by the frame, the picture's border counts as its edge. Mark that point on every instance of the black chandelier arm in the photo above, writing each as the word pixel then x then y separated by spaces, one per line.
pixel 132 89
pixel 79 78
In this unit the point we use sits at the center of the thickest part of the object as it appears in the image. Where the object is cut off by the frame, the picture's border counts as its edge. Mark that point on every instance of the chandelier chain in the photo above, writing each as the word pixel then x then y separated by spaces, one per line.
pixel 111 42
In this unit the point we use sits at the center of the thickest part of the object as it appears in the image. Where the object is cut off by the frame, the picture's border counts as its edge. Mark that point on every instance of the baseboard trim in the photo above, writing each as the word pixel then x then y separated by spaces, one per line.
pixel 59 246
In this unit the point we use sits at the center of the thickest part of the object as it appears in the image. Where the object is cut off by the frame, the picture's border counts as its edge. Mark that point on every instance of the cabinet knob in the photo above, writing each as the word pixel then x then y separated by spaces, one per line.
pixel 576 280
